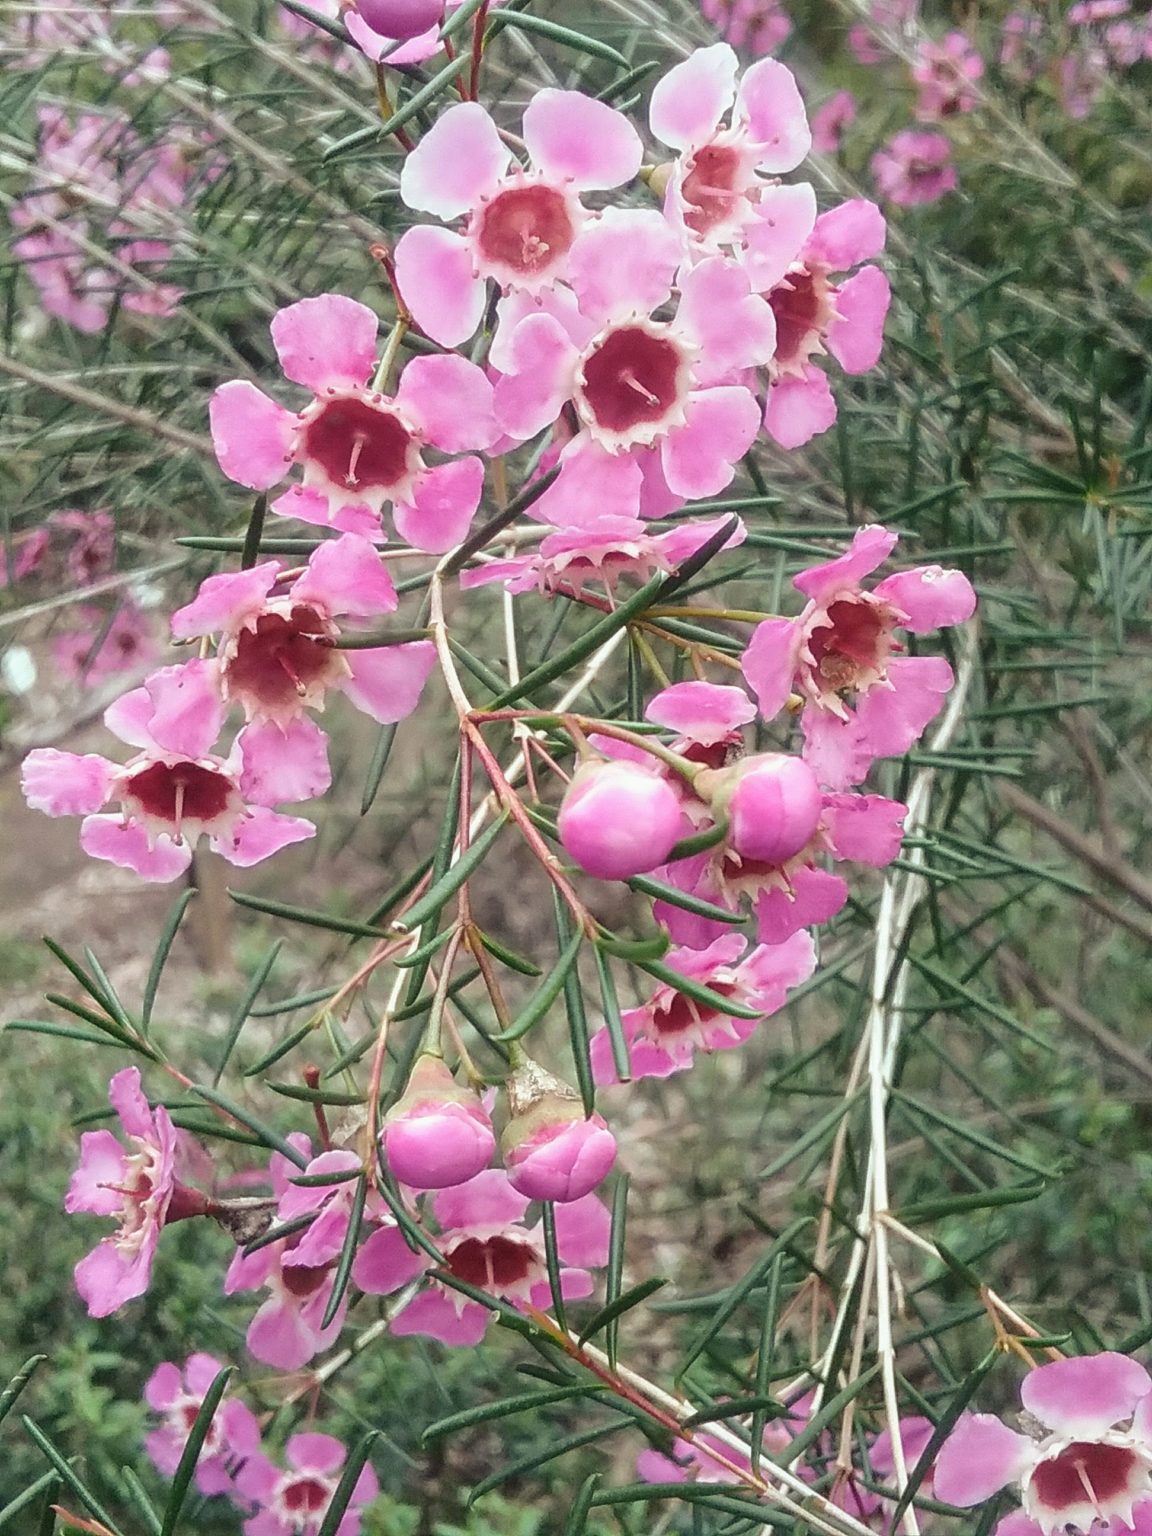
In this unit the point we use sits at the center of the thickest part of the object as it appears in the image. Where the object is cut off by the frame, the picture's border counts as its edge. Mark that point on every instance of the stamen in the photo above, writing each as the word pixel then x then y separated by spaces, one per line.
pixel 177 837
pixel 358 442
pixel 286 666
pixel 1082 1474
pixel 633 383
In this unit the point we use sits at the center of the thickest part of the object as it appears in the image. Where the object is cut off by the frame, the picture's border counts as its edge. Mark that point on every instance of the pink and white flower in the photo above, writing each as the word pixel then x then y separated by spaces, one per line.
pixel 758 26
pixel 914 168
pixel 521 224
pixel 862 700
pixel 830 120
pixel 176 790
pixel 486 1244
pixel 358 447
pixel 293 1500
pixel 99 649
pixel 177 1394
pixel 279 652
pixel 945 74
pixel 1087 1457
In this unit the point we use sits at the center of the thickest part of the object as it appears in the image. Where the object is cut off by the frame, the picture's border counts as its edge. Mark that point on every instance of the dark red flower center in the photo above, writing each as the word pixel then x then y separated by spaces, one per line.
pixel 800 307
pixel 303 1280
pixel 1087 1473
pixel 179 792
pixel 277 661
pixel 526 229
pixel 306 1496
pixel 358 445
pixel 631 379
pixel 492 1263
pixel 712 186
pixel 850 643
pixel 680 1014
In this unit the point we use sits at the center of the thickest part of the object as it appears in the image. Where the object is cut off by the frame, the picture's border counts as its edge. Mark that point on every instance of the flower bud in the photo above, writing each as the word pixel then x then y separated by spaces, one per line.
pixel 619 820
pixel 773 807
pixel 437 1135
pixel 401 19
pixel 551 1150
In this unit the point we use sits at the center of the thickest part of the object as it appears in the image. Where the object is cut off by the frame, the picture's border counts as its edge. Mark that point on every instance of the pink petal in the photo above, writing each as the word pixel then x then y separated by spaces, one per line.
pixel 251 434
pixel 107 837
pixel 261 834
pixel 834 749
pixel 312 1452
pixel 929 597
pixel 278 1335
pixel 583 1232
pixel 127 1098
pixel 720 426
pixel 434 1314
pixel 689 101
pixel 224 602
pixel 705 712
pixel 856 336
pixel 1084 1398
pixel 592 485
pixel 890 720
pixel 581 140
pixel 575 1285
pixel 326 343
pixel 816 896
pixel 387 683
pixel 241 1428
pixel 769 100
pixel 682 542
pixel 870 547
pixel 101 1166
pixel 435 274
pixel 848 234
pixel 283 764
pixel 164 1448
pixel 106 1280
pixel 774 239
pixel 771 970
pixel 516 305
pixel 625 259
pixel 867 829
pixel 257 1479
pixel 979 1458
pixel 347 576
pixel 163 1387
pixel 770 662
pixel 443 505
pixel 451 400
pixel 312 506
pixel 733 328
pixel 187 709
pixel 385 1263
pixel 64 784
pixel 542 366
pixel 799 409
pixel 299 1199
pixel 200 1371
pixel 487 1199
pixel 459 159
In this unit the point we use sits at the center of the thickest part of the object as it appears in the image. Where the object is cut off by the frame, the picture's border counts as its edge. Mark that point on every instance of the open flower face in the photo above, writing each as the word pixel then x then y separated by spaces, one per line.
pixel 293 1500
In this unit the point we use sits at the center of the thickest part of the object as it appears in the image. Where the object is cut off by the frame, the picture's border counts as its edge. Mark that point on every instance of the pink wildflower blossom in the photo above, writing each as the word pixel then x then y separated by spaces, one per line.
pixel 521 224
pixel 946 73
pixel 278 651
pixel 1021 36
pixel 486 1244
pixel 175 789
pixel 177 1393
pixel 866 45
pixel 552 1149
pixel 664 1034
pixel 358 447
pixel 1087 1458
pixel 830 120
pixel 437 1134
pixel 93 547
pixel 914 168
pixel 127 644
pixel 401 20
pixel 861 699
pixel 293 1501
pixel 617 820
pixel 758 26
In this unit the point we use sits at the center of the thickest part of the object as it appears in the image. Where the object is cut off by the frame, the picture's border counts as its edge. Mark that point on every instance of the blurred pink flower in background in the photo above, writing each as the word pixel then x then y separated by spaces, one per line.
pixel 756 26
pixel 830 120
pixel 945 73
pixel 914 168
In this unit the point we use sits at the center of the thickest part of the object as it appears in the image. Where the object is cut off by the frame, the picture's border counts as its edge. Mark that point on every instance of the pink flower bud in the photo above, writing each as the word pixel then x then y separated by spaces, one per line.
pixel 619 820
pixel 401 19
pixel 551 1150
pixel 773 807
pixel 437 1135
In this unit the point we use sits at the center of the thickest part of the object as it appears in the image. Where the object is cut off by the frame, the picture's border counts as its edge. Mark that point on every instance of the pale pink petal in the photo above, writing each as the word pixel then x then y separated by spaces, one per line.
pixel 450 399
pixel 65 784
pixel 541 377
pixel 979 1458
pixel 107 1280
pixel 187 709
pixel 771 970
pixel 815 897
pixel 212 1476
pixel 436 1315
pixel 575 1285
pixel 322 1241
pixel 224 602
pixel 347 576
pixel 583 1232
pixel 108 837
pixel 312 506
pixel 257 1478
pixel 855 337
pixel 459 159
pixel 733 328
pixel 312 1452
pixel 1018 1524
pixel 443 506
pixel 92 1187
pixel 283 764
pixel 200 1371
pixel 164 1448
pixel 279 1336
pixel 705 712
pixel 929 597
pixel 135 1113
pixel 164 1385
pixel 654 1467
pixel 770 103
pixel 1083 1398
pixel 326 343
pixel 486 1199
pixel 834 749
pixel 387 683
pixel 852 232
pixel 592 485
pixel 435 274
pixel 299 1199
pixel 870 547
pixel 581 140
pixel 774 239
pixel 865 828
pixel 385 1263
pixel 689 101
pixel 720 426
pixel 890 720
pixel 261 834
pixel 770 662
pixel 625 260
pixel 683 541
pixel 799 409
pixel 518 304
pixel 251 434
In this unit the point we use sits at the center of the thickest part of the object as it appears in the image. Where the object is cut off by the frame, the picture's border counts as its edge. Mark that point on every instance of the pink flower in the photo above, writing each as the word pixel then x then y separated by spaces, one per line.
pixel 1018 1524
pixel 485 1244
pixel 24 558
pixel 401 20
pixel 729 138
pixel 177 1394
pixel 664 1034
pixel 100 650
pixel 914 168
pixel 842 648
pixel 1021 36
pixel 1087 12
pixel 830 120
pixel 945 73
pixel 359 448
pixel 894 15
pixel 1081 77
pixel 279 652
pixel 521 225
pixel 93 548
pixel 773 804
pixel 556 1152
pixel 617 820
pixel 436 1134
pixel 759 26
pixel 136 1186
pixel 175 790
pixel 815 316
pixel 1089 1457
pixel 293 1501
